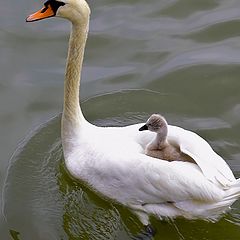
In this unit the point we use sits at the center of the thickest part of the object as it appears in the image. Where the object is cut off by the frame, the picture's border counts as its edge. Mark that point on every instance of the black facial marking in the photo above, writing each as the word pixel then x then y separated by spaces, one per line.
pixel 44 10
pixel 54 5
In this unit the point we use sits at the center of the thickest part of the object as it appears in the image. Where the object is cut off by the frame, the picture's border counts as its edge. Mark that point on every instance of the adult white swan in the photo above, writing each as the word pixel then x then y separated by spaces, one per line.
pixel 111 160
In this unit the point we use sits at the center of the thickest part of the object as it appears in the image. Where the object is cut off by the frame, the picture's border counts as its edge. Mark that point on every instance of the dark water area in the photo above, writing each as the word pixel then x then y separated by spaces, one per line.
pixel 177 57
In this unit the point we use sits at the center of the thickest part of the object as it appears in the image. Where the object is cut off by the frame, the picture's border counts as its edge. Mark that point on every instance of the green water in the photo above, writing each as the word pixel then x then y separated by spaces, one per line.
pixel 177 57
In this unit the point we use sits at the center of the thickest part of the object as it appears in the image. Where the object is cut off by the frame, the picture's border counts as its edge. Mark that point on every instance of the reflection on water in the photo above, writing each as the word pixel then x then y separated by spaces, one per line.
pixel 56 206
pixel 31 188
pixel 177 57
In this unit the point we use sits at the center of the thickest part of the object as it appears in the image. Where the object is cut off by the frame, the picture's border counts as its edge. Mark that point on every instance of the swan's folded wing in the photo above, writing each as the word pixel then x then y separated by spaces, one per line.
pixel 173 182
pixel 211 164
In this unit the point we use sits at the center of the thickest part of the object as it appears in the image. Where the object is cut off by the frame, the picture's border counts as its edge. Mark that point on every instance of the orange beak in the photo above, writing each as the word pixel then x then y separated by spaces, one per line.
pixel 45 12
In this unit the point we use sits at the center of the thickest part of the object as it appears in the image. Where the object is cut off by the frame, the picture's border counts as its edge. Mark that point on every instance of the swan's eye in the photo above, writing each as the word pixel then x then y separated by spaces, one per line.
pixel 53 4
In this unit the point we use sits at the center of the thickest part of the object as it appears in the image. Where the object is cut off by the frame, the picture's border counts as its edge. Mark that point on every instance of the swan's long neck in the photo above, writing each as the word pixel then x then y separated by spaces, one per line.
pixel 72 117
pixel 71 109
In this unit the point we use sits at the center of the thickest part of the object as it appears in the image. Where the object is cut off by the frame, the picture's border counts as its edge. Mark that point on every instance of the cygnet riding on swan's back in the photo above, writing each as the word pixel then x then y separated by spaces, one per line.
pixel 112 160
pixel 159 147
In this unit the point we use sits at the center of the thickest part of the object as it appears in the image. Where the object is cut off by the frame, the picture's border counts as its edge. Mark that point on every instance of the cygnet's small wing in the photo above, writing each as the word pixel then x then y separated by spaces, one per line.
pixel 211 164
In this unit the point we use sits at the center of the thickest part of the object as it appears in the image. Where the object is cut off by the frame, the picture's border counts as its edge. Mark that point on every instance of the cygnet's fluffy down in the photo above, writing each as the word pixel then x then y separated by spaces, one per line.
pixel 160 147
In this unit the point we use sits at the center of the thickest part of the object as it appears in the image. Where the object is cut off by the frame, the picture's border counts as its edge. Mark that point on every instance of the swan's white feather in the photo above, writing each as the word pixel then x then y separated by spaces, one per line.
pixel 112 162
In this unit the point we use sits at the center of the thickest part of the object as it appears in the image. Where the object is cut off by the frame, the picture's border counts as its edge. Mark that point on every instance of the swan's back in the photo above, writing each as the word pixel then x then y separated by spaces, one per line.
pixel 211 164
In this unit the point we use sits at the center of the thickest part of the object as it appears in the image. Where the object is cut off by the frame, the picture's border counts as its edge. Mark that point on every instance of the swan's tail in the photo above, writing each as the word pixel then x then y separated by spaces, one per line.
pixel 212 211
pixel 233 193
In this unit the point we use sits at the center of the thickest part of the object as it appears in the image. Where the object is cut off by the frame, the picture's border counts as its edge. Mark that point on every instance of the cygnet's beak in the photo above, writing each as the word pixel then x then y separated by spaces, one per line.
pixel 144 127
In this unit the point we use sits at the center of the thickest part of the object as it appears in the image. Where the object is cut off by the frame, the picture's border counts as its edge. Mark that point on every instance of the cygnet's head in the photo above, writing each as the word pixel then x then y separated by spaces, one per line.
pixel 156 123
pixel 76 11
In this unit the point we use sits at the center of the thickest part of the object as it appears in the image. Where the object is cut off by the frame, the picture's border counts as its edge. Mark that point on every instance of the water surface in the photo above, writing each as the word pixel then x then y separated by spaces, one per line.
pixel 177 57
